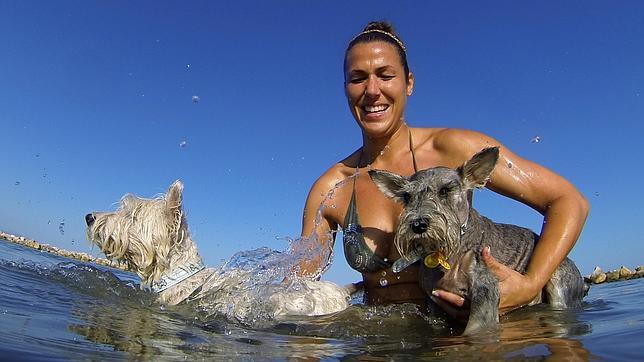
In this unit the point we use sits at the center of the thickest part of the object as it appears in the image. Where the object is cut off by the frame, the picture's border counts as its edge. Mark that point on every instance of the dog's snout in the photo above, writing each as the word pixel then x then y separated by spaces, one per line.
pixel 89 219
pixel 419 226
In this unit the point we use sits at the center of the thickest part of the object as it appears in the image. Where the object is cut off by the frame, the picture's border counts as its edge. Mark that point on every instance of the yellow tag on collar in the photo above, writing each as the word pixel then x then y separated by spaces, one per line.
pixel 435 259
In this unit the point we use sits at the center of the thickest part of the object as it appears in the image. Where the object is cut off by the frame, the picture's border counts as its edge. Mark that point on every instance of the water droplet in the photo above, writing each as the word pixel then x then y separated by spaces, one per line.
pixel 188 66
pixel 17 183
pixel 48 222
pixel 61 227
pixel 509 164
pixel 37 155
pixel 195 99
pixel 385 259
pixel 398 277
pixel 333 206
pixel 383 282
pixel 142 94
pixel 536 139
pixel 183 144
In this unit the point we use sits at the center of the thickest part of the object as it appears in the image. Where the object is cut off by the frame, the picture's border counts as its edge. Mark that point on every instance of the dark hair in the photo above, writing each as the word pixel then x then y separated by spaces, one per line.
pixel 380 31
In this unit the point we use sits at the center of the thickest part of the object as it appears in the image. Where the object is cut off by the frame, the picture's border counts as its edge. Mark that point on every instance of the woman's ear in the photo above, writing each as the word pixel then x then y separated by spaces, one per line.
pixel 410 84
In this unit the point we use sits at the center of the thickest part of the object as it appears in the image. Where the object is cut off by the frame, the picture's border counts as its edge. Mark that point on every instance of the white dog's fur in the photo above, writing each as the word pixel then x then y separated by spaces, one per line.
pixel 152 236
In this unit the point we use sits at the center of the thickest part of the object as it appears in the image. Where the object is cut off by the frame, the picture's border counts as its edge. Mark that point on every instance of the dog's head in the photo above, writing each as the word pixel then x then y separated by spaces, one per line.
pixel 141 231
pixel 435 200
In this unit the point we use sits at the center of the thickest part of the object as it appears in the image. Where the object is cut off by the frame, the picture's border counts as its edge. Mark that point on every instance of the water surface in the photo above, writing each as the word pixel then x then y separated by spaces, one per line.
pixel 52 307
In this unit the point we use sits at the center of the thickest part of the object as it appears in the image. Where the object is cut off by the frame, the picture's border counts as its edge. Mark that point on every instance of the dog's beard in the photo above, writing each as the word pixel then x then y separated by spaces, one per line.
pixel 441 235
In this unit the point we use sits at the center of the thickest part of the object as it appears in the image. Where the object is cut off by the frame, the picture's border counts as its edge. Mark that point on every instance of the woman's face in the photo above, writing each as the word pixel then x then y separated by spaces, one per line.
pixel 376 88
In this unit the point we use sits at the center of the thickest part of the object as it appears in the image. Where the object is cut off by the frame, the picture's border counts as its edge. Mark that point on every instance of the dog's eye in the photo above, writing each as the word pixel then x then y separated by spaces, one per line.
pixel 443 191
pixel 406 197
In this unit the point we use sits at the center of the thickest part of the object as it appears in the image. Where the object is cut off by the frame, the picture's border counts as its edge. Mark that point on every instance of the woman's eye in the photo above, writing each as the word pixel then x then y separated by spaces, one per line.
pixel 356 80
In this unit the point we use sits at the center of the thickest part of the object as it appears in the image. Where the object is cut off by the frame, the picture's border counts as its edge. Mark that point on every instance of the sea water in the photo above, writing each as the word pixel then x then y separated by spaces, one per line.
pixel 56 308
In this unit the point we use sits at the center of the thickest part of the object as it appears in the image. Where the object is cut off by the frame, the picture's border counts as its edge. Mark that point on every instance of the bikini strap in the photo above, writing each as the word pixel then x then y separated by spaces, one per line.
pixel 351 222
pixel 411 149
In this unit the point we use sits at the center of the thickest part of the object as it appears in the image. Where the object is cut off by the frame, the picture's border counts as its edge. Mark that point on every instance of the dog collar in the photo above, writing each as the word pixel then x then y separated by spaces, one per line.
pixel 176 276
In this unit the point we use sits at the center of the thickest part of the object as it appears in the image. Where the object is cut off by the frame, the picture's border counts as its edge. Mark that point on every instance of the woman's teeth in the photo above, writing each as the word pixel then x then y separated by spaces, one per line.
pixel 374 109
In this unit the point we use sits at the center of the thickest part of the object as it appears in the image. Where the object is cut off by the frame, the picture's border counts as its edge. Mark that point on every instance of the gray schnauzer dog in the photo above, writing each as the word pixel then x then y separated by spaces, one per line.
pixel 439 224
pixel 152 237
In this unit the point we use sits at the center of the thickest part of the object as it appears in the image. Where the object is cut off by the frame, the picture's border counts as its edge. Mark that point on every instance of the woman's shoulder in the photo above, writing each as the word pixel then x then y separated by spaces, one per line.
pixel 455 144
pixel 337 173
pixel 451 138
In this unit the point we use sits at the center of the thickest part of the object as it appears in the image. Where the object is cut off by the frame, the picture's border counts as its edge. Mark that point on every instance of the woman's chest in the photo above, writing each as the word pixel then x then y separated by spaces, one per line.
pixel 377 214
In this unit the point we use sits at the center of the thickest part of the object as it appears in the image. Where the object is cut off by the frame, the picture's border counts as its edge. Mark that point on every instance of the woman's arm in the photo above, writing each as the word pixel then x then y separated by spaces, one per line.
pixel 317 227
pixel 563 207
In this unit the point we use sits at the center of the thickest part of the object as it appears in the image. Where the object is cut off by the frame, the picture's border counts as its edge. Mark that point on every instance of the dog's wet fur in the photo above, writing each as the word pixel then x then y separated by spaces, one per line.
pixel 152 237
pixel 438 216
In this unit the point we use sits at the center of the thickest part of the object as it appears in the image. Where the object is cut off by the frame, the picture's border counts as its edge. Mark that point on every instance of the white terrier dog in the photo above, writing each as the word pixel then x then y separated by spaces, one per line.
pixel 152 237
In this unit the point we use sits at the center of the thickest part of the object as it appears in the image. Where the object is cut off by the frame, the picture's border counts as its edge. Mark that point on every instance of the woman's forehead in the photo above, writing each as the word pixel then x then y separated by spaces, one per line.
pixel 376 53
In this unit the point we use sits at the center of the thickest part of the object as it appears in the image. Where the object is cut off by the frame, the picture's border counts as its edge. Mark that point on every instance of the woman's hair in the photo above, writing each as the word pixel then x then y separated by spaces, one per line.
pixel 381 31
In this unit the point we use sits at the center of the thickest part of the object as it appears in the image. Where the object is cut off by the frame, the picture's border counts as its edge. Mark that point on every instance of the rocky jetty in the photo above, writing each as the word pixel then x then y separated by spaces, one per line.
pixel 46 248
pixel 598 276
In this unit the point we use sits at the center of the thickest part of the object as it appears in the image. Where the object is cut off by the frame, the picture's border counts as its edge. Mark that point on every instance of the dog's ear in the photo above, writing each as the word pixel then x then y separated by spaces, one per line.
pixel 174 196
pixel 389 184
pixel 477 171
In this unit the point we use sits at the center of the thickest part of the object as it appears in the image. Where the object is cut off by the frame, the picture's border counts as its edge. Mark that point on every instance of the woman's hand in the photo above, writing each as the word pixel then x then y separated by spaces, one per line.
pixel 516 290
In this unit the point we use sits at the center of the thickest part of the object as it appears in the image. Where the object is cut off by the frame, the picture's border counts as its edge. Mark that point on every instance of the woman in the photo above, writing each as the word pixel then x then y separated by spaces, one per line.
pixel 377 84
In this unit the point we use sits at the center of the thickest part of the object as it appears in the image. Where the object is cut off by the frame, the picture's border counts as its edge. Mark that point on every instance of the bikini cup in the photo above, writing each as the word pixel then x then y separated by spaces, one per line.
pixel 358 254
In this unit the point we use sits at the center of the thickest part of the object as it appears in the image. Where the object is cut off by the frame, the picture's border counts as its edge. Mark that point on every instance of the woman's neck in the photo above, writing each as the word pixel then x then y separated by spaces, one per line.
pixel 386 148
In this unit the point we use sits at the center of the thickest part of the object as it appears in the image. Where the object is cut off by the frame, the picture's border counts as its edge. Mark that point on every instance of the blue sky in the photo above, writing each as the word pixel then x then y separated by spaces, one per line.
pixel 96 100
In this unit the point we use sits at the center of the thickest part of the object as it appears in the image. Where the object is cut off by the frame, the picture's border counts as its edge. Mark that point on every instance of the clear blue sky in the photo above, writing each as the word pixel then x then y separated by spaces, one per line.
pixel 96 98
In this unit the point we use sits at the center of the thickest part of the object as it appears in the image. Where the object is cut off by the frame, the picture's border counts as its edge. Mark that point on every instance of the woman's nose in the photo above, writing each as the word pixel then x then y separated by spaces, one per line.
pixel 372 87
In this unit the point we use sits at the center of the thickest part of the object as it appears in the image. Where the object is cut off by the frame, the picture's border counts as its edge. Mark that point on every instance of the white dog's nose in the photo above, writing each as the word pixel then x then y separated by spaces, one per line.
pixel 89 219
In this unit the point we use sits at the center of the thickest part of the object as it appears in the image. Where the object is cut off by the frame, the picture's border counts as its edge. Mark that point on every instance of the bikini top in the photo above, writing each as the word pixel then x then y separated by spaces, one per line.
pixel 358 254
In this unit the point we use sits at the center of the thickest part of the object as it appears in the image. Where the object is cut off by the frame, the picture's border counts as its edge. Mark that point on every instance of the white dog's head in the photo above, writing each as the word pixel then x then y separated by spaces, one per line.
pixel 141 232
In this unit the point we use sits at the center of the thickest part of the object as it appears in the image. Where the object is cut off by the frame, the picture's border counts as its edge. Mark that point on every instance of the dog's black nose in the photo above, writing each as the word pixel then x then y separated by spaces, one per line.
pixel 89 219
pixel 419 226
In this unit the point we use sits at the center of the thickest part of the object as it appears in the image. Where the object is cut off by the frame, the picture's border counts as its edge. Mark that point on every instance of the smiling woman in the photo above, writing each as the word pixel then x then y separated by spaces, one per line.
pixel 377 80
pixel 377 84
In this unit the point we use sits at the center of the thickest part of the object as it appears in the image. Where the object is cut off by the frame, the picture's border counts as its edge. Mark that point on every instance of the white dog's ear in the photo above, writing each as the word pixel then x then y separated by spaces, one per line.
pixel 174 196
pixel 389 183
pixel 476 172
